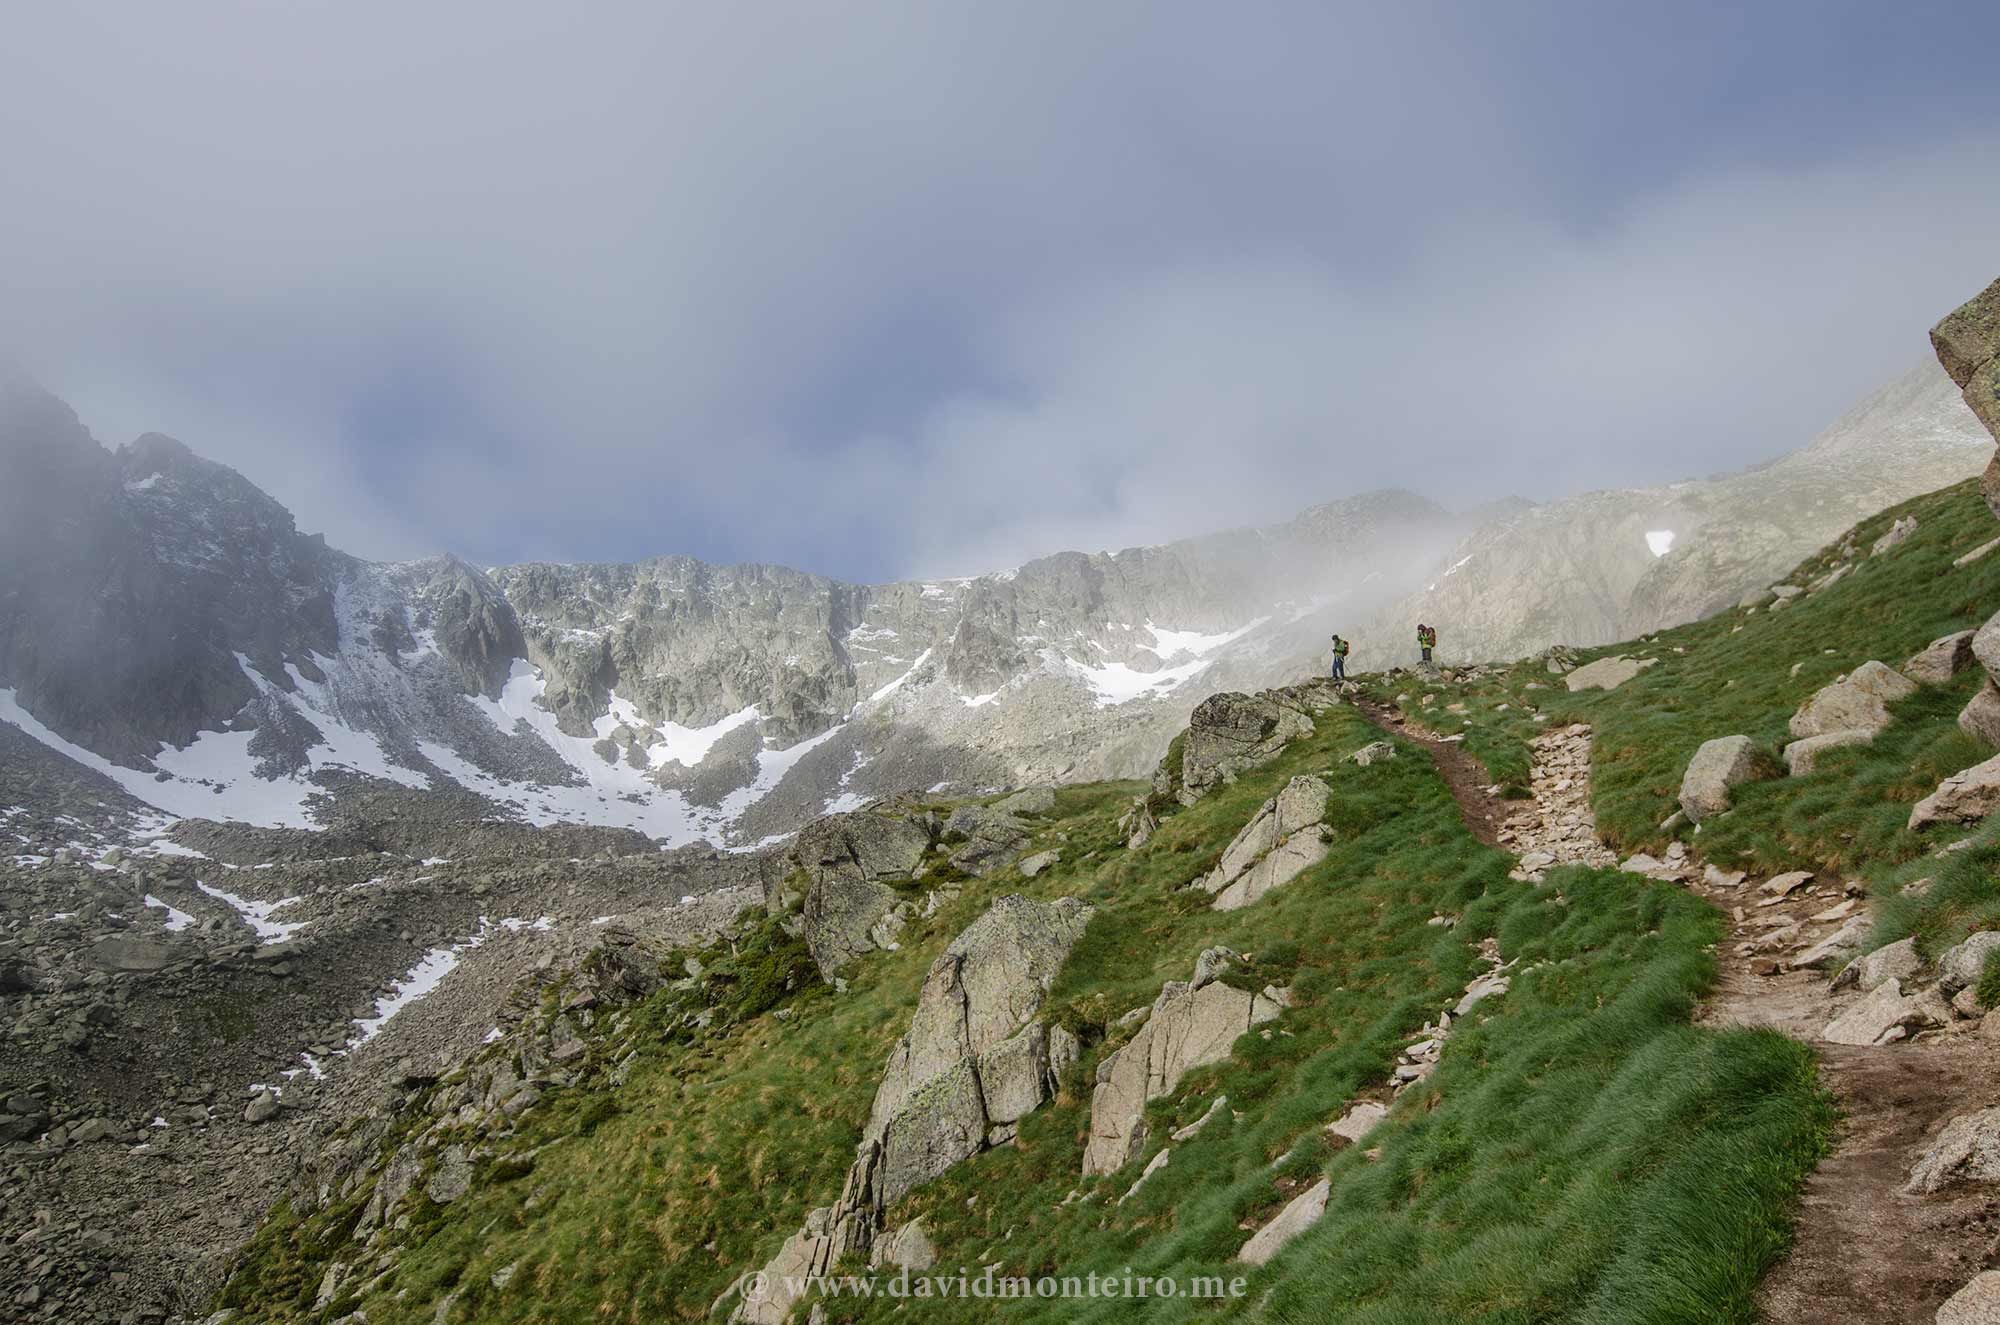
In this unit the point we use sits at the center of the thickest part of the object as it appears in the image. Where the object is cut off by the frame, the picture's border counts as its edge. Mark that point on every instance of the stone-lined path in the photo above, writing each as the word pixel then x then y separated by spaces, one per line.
pixel 1863 1250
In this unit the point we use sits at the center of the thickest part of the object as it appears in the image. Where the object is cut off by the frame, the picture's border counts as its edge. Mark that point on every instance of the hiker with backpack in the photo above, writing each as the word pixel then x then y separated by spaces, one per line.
pixel 1427 638
pixel 1339 658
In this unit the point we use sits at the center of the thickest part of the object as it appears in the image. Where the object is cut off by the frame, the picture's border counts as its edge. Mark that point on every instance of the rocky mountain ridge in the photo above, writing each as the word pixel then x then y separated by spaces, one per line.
pixel 219 663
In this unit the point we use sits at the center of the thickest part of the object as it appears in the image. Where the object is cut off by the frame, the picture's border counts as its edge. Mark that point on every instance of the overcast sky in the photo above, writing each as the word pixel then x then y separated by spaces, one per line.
pixel 886 289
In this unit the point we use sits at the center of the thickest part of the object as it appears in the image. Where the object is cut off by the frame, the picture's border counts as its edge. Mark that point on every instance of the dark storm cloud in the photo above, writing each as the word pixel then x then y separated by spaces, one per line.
pixel 875 288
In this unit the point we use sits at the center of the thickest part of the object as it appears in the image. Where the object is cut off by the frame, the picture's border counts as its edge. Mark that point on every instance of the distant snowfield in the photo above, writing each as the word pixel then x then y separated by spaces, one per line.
pixel 214 778
pixel 1114 683
pixel 1661 541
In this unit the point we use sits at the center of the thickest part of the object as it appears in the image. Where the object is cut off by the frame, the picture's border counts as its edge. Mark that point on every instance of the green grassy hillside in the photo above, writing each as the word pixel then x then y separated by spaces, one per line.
pixel 1583 1153
pixel 1746 672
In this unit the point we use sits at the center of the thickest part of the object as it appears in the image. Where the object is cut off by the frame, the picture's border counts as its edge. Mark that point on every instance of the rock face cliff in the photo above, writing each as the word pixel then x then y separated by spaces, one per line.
pixel 1606 566
pixel 164 623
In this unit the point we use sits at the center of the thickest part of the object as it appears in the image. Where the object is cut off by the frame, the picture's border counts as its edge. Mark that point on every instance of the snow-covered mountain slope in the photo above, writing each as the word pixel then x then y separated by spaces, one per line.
pixel 168 628
pixel 164 625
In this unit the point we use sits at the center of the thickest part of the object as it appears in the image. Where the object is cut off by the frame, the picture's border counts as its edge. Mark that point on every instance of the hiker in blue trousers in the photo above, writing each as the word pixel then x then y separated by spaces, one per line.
pixel 1339 658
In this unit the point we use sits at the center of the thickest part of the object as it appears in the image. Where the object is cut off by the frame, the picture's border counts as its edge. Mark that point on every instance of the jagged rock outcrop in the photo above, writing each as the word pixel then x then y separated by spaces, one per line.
pixel 1191 1024
pixel 1283 839
pixel 847 862
pixel 1967 342
pixel 1898 533
pixel 973 1063
pixel 1719 765
pixel 1230 732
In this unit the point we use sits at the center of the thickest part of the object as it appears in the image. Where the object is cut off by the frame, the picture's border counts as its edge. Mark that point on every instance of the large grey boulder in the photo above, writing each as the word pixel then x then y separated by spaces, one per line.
pixel 1888 1015
pixel 1941 659
pixel 1967 1150
pixel 972 1062
pixel 1189 1026
pixel 1894 961
pixel 1980 718
pixel 1282 839
pixel 1978 1303
pixel 1802 757
pixel 1300 1214
pixel 1028 800
pixel 909 1248
pixel 1858 701
pixel 1606 673
pixel 987 837
pixel 847 862
pixel 1965 797
pixel 130 955
pixel 1231 732
pixel 1837 947
pixel 1967 342
pixel 972 1059
pixel 1961 966
pixel 768 1298
pixel 1718 765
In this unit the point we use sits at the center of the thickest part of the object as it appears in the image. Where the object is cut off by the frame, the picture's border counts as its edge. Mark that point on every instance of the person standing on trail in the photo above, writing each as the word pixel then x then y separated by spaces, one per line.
pixel 1427 639
pixel 1339 658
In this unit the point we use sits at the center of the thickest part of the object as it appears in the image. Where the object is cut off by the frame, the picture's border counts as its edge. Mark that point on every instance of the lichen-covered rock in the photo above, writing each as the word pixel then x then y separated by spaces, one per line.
pixel 1802 757
pixel 1606 673
pixel 1717 766
pixel 1961 966
pixel 972 1033
pixel 1963 798
pixel 1978 1303
pixel 847 861
pixel 1139 823
pixel 1281 840
pixel 1967 342
pixel 1189 1027
pixel 1967 1150
pixel 909 1248
pixel 1374 752
pixel 1300 1214
pixel 972 1063
pixel 1858 701
pixel 1887 1015
pixel 1941 659
pixel 1231 732
pixel 1980 718
pixel 987 837
pixel 1028 800
pixel 1894 961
